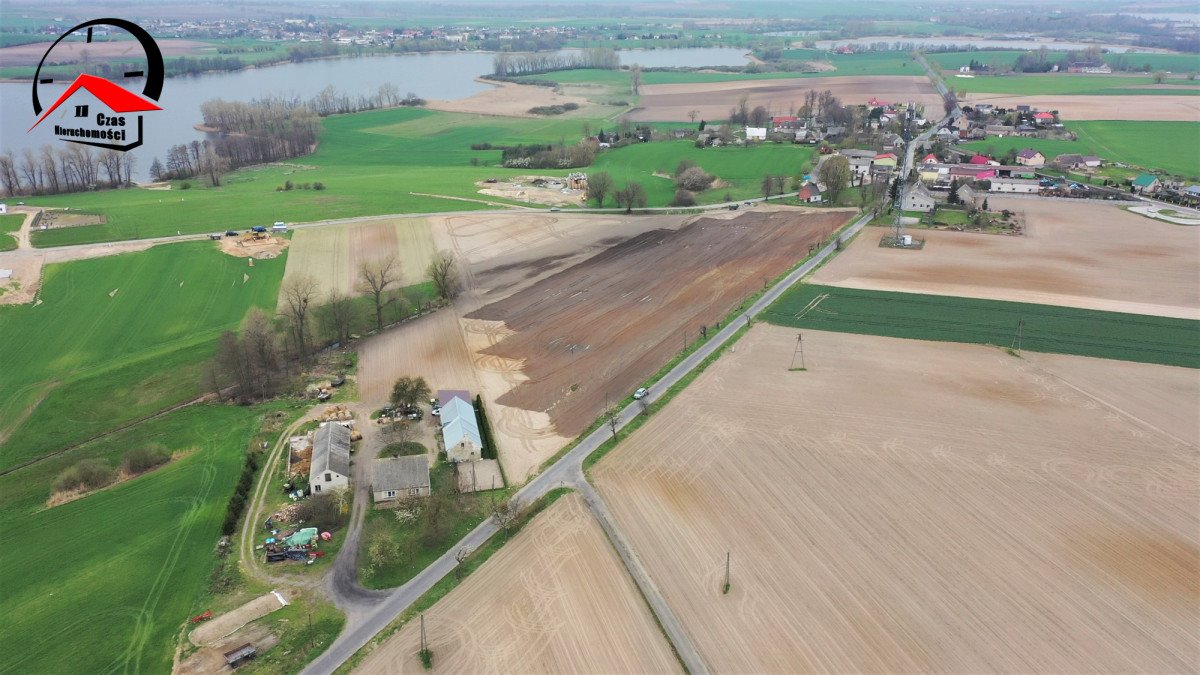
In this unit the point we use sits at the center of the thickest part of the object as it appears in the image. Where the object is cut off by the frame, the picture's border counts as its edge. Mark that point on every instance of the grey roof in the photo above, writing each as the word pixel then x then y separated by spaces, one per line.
pixel 917 190
pixel 456 408
pixel 400 473
pixel 331 450
pixel 852 153
pixel 463 427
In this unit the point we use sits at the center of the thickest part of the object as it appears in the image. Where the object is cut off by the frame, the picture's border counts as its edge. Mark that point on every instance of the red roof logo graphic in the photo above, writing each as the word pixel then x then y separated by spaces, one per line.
pixel 119 99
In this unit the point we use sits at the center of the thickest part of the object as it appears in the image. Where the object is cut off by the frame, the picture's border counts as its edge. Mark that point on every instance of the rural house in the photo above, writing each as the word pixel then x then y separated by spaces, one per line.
pixel 1043 118
pixel 397 477
pixel 1092 161
pixel 886 159
pixel 810 194
pixel 756 133
pixel 917 198
pixel 330 468
pixel 460 427
pixel 1030 157
pixel 1146 183
pixel 1068 161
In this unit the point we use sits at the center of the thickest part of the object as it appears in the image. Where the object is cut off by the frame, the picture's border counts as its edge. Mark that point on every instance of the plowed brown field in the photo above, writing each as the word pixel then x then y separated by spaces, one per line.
pixel 554 600
pixel 592 332
pixel 909 506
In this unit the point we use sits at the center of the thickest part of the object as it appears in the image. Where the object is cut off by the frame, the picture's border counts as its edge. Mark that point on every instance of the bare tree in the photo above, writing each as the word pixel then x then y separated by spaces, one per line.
pixel 635 78
pixel 692 115
pixel 375 277
pixel 298 294
pixel 337 315
pixel 443 272
pixel 459 556
pixel 506 512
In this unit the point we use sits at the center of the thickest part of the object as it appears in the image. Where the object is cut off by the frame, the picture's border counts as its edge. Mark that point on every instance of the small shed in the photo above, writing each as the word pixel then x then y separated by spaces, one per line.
pixel 397 477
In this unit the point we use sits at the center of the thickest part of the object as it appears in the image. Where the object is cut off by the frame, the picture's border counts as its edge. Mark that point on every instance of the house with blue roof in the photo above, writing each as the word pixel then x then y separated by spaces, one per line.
pixel 460 428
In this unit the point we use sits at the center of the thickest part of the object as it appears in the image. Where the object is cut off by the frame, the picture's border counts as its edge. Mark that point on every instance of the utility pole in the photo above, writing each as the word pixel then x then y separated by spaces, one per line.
pixel 1017 338
pixel 424 646
pixel 798 350
pixel 725 588
pixel 310 630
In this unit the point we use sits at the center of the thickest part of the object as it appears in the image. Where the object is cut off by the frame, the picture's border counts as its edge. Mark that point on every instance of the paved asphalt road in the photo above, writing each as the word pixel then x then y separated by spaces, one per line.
pixel 567 471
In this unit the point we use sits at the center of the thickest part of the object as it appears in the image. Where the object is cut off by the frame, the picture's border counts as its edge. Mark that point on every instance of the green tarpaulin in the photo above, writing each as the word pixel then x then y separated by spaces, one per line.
pixel 302 537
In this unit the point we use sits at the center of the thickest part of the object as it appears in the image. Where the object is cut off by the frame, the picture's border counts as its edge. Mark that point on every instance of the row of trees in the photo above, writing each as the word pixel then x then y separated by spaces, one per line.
pixel 71 168
pixel 258 362
pixel 558 156
pixel 513 65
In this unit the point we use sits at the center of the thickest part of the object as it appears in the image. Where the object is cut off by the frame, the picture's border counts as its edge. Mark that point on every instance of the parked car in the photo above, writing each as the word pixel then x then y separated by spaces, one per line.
pixel 733 207
pixel 437 410
pixel 258 228
pixel 640 393
pixel 216 236
pixel 231 233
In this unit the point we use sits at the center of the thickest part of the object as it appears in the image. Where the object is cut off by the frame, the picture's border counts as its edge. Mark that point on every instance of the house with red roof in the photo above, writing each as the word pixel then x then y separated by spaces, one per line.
pixel 886 159
pixel 982 159
pixel 1043 118
pixel 930 159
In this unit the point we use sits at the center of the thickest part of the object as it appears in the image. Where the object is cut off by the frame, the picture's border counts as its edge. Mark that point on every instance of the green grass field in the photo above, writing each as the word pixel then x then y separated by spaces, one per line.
pixel 1169 146
pixel 1175 63
pixel 742 168
pixel 869 63
pixel 370 162
pixel 109 579
pixel 1061 330
pixel 9 222
pixel 1067 84
pixel 84 362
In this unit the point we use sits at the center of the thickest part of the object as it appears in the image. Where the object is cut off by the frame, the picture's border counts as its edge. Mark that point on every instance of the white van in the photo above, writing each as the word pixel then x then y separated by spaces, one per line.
pixel 279 226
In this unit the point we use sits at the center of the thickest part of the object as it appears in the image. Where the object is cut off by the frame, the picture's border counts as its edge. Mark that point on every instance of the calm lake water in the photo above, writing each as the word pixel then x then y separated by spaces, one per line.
pixel 442 75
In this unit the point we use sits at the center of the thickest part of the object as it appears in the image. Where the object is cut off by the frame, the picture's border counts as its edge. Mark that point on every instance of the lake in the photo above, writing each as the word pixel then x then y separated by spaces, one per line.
pixel 984 43
pixel 436 75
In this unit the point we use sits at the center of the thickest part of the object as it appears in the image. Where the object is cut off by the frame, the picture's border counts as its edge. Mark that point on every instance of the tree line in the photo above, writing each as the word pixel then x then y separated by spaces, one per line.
pixel 513 65
pixel 260 360
pixel 72 168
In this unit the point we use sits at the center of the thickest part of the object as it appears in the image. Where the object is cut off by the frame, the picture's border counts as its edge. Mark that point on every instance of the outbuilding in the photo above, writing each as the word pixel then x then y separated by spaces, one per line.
pixel 1015 185
pixel 330 468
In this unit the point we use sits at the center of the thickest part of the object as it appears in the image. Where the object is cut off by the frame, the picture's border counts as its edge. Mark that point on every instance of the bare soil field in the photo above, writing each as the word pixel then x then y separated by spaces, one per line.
pixel 593 332
pixel 71 52
pixel 508 99
pixel 333 254
pixel 238 247
pixel 1091 256
pixel 521 188
pixel 554 600
pixel 673 102
pixel 1148 108
pixel 501 253
pixel 915 506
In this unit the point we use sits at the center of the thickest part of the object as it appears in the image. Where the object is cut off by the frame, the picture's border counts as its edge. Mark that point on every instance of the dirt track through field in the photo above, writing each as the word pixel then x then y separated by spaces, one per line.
pixel 553 600
pixel 1091 256
pixel 674 102
pixel 915 506
pixel 1152 108
pixel 594 331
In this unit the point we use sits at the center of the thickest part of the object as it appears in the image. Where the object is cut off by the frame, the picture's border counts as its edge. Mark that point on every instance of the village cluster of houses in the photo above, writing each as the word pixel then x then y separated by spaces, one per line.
pixel 984 119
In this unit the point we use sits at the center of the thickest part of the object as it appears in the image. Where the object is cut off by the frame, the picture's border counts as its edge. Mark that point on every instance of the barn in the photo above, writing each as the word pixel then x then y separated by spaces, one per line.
pixel 330 468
